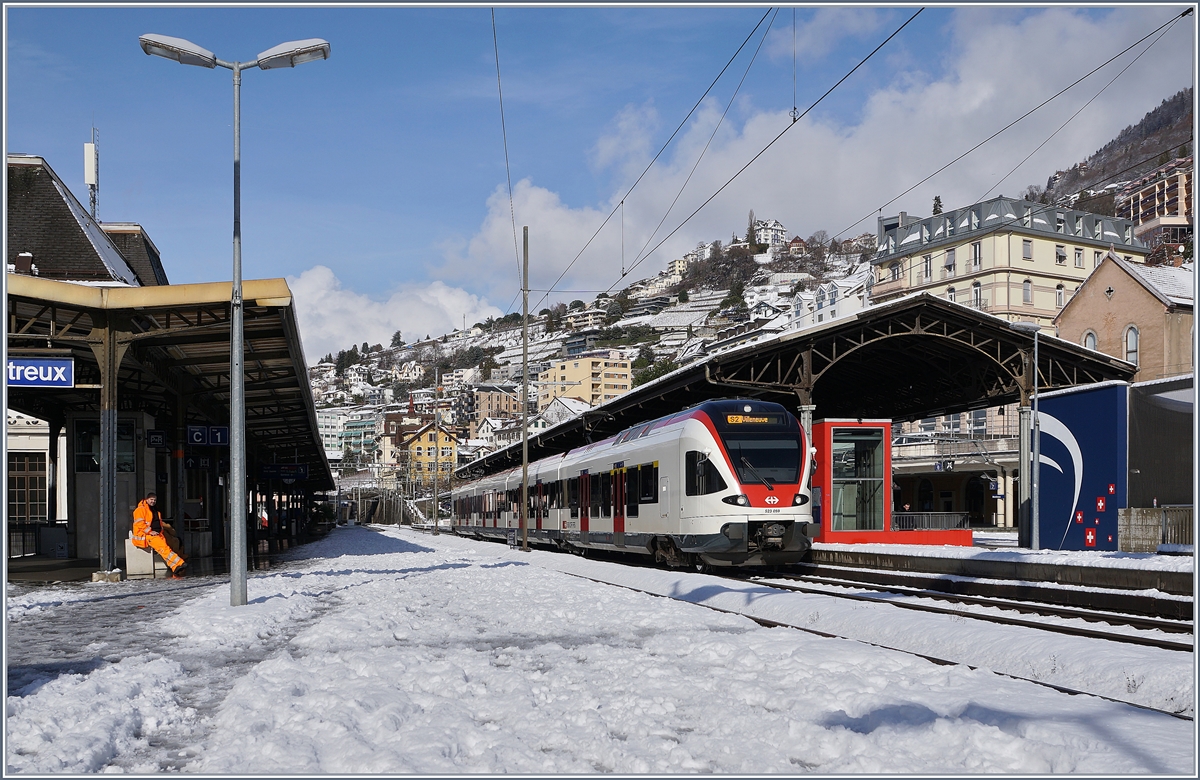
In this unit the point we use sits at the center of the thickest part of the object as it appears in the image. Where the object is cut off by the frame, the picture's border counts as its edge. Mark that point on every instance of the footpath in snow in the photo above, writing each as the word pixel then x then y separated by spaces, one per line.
pixel 383 650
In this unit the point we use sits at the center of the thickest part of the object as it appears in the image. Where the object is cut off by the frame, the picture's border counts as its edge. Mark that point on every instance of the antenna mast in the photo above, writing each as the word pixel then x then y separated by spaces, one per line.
pixel 91 169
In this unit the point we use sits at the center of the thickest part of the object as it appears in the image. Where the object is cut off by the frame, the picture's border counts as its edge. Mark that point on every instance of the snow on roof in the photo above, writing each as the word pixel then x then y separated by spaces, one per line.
pixel 1175 284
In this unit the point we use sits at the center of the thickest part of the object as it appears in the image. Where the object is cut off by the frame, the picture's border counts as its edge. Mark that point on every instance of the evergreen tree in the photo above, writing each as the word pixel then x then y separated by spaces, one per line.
pixel 937 205
pixel 683 296
pixel 397 339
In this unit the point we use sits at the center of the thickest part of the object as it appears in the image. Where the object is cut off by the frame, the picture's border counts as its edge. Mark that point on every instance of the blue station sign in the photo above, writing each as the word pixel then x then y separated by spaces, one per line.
pixel 41 372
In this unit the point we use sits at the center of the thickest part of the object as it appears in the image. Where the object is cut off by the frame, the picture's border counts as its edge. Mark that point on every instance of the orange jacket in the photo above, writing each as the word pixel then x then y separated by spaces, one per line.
pixel 143 522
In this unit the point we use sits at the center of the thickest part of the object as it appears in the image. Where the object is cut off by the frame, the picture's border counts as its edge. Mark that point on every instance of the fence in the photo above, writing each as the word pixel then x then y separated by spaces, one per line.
pixel 23 539
pixel 1144 529
pixel 929 521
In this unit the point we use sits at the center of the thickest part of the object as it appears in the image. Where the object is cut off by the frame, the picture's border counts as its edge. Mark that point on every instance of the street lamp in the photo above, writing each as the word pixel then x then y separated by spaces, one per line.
pixel 1036 459
pixel 285 55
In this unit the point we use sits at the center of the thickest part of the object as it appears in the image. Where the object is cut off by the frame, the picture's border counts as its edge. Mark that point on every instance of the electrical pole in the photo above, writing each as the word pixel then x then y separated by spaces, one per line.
pixel 525 395
pixel 437 448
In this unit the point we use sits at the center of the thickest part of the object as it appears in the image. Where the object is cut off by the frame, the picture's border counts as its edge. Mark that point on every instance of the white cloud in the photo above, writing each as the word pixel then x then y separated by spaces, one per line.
pixel 333 318
pixel 825 29
pixel 824 175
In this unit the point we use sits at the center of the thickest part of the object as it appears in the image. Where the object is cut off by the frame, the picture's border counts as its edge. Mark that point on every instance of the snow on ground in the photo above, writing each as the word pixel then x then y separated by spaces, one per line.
pixel 1098 558
pixel 381 650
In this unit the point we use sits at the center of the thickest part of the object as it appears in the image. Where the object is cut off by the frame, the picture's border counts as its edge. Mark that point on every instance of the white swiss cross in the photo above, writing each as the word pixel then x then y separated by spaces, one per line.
pixel 1090 537
pixel 1112 489
pixel 1100 504
pixel 772 499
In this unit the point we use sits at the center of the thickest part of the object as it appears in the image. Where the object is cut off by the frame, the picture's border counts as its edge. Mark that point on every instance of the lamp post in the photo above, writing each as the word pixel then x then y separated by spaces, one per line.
pixel 1036 457
pixel 285 55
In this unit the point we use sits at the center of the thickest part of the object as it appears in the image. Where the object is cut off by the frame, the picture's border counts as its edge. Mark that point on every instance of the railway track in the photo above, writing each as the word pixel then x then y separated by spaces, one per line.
pixel 1046 595
pixel 1132 621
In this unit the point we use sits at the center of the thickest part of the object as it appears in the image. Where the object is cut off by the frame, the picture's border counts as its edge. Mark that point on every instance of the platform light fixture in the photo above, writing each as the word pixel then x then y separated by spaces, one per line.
pixel 285 55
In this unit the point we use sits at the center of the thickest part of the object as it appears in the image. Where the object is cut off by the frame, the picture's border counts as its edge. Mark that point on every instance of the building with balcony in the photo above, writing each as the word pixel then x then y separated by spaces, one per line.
pixel 431 450
pixel 1160 205
pixel 594 378
pixel 1017 259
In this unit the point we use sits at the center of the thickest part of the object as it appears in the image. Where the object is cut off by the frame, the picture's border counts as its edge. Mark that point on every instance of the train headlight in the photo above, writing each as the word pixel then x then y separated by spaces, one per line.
pixel 738 500
pixel 799 499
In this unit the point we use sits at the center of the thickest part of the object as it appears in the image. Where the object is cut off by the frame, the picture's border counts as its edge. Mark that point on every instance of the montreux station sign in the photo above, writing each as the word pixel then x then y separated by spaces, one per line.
pixel 41 372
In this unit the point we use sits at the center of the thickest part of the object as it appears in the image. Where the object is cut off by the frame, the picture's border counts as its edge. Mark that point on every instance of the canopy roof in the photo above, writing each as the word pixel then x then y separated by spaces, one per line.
pixel 918 356
pixel 178 343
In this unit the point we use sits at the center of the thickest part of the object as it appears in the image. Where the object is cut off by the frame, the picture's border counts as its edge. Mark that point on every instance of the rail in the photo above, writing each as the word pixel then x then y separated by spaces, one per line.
pixel 23 539
pixel 929 521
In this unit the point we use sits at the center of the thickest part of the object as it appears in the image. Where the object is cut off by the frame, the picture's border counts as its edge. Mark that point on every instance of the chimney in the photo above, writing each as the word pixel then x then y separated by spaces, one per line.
pixel 24 263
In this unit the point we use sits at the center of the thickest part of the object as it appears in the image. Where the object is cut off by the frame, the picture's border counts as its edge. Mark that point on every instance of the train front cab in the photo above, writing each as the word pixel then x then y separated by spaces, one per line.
pixel 852 487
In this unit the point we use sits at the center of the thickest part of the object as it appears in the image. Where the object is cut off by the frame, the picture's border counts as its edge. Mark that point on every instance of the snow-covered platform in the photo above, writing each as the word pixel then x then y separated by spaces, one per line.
pixel 385 650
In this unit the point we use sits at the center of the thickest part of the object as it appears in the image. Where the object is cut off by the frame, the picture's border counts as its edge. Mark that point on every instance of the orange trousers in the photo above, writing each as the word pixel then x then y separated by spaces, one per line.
pixel 158 543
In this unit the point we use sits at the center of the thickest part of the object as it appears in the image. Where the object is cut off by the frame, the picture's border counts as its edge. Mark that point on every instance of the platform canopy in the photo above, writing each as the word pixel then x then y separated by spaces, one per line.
pixel 172 343
pixel 919 356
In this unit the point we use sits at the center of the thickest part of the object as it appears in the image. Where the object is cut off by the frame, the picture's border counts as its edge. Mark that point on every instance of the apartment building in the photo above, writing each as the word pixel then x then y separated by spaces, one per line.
pixel 1160 204
pixel 430 451
pixel 594 378
pixel 1016 259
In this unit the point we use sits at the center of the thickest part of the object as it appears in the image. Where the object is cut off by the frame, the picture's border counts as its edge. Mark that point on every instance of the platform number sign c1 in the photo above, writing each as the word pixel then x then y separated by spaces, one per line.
pixel 218 435
pixel 197 434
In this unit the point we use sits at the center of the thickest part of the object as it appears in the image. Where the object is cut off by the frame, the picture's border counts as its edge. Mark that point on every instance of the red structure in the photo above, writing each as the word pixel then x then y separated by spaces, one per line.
pixel 852 487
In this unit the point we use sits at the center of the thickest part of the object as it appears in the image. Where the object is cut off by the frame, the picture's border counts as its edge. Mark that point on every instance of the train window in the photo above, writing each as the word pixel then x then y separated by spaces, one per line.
pixel 700 475
pixel 595 495
pixel 648 484
pixel 606 494
pixel 631 491
pixel 573 495
pixel 774 457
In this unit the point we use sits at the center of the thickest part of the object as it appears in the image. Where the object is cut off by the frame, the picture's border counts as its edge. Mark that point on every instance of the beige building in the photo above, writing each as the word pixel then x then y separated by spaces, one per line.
pixel 1160 205
pixel 592 378
pixel 428 452
pixel 1016 259
pixel 1138 313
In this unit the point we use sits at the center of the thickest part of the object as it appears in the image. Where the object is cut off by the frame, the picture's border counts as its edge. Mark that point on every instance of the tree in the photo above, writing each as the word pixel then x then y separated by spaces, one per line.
pixel 683 296
pixel 937 205
pixel 750 228
pixel 397 339
pixel 576 304
pixel 645 358
pixel 660 368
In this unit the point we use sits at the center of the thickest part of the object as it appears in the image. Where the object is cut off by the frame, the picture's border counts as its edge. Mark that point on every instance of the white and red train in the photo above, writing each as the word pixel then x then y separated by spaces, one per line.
pixel 723 483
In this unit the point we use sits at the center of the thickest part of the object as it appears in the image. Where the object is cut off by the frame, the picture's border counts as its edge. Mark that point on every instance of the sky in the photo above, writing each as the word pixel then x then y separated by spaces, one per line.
pixel 375 182
pixel 385 651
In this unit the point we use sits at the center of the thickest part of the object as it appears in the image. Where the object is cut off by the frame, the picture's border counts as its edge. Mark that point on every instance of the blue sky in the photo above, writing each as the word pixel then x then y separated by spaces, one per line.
pixel 375 181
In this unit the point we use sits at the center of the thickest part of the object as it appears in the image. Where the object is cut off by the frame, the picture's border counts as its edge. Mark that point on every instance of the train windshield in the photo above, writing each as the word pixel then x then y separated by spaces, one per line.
pixel 773 457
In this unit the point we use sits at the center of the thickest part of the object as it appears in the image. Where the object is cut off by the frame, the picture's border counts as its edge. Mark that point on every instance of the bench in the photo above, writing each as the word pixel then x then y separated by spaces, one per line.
pixel 142 561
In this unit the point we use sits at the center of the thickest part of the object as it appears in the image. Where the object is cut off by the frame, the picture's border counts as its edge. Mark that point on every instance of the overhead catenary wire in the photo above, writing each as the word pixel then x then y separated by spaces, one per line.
pixel 815 103
pixel 507 169
pixel 656 156
pixel 703 151
pixel 1053 97
pixel 1080 111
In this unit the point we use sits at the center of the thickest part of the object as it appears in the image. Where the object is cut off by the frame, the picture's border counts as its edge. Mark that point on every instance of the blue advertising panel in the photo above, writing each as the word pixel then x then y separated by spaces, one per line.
pixel 41 372
pixel 1084 453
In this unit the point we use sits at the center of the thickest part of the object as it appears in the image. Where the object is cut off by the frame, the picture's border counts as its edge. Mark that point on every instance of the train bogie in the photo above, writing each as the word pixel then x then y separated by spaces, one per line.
pixel 724 483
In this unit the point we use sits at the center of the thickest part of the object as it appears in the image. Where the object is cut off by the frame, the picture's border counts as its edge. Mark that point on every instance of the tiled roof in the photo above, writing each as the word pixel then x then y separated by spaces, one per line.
pixel 1174 284
pixel 45 219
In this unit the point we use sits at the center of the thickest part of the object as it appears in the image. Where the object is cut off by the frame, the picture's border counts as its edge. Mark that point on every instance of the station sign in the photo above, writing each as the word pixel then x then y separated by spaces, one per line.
pixel 156 438
pixel 197 434
pixel 41 372
pixel 283 470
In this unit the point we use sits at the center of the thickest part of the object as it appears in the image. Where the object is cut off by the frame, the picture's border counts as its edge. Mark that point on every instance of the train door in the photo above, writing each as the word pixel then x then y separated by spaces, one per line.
pixel 618 504
pixel 538 513
pixel 666 505
pixel 585 502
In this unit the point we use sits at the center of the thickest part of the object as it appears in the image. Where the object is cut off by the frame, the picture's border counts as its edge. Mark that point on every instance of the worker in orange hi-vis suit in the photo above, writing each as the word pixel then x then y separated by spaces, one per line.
pixel 148 532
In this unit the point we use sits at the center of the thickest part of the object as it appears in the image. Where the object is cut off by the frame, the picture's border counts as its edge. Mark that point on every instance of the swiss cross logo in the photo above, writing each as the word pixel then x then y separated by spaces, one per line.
pixel 1112 489
pixel 1089 537
pixel 1079 517
pixel 772 499
pixel 1100 504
